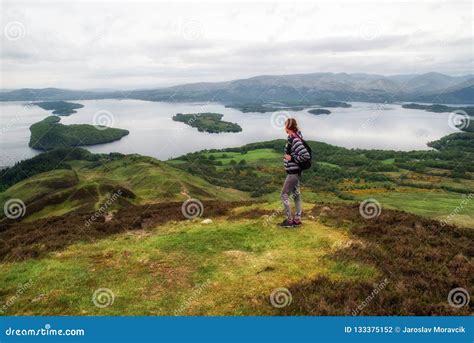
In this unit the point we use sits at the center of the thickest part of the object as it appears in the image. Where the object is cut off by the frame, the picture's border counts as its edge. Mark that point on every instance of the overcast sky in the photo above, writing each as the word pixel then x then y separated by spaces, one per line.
pixel 140 44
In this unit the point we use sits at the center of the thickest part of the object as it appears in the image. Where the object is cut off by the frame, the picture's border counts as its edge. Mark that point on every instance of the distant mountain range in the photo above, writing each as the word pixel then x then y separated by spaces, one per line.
pixel 286 89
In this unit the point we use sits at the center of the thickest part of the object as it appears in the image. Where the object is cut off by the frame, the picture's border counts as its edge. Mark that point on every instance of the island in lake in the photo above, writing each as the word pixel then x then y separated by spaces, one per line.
pixel 207 122
pixel 331 103
pixel 318 111
pixel 50 134
pixel 273 107
pixel 263 108
pixel 61 108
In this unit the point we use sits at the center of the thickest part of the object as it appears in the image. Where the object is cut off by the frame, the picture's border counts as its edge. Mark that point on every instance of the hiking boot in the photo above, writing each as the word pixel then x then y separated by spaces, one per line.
pixel 287 223
pixel 297 222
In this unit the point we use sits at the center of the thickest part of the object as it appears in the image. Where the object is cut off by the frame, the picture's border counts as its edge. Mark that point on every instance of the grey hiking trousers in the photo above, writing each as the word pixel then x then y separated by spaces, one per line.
pixel 291 187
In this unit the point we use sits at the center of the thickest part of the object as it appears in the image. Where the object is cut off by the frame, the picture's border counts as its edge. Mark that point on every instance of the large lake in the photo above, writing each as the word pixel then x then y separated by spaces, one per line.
pixel 154 133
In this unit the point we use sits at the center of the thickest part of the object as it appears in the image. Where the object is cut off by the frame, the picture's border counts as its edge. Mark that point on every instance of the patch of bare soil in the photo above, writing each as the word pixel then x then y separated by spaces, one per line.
pixel 421 261
pixel 21 240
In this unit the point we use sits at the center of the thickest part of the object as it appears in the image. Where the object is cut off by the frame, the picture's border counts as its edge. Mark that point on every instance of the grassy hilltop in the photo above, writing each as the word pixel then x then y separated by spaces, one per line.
pixel 156 261
pixel 230 267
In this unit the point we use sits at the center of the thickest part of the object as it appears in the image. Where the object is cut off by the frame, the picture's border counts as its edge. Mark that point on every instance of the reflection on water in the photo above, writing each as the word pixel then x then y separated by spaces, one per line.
pixel 154 133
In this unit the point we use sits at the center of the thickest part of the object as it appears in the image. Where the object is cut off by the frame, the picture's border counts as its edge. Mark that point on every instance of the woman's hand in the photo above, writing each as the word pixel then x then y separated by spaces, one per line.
pixel 287 157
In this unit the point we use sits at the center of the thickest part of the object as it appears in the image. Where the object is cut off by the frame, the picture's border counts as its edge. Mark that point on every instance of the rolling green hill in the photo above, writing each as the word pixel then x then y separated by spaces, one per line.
pixel 117 222
pixel 86 183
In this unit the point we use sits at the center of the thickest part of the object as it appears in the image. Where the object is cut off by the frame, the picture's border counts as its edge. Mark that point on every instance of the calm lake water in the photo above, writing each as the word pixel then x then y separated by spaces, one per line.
pixel 154 133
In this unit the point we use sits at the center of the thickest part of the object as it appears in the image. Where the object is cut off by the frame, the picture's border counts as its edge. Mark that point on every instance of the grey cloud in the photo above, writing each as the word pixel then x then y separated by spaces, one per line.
pixel 139 45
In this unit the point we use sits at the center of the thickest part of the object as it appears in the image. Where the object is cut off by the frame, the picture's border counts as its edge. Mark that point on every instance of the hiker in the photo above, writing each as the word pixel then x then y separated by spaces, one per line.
pixel 296 159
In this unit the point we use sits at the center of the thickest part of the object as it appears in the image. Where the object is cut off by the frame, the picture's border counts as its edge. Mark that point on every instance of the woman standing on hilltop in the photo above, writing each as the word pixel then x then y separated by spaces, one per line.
pixel 296 159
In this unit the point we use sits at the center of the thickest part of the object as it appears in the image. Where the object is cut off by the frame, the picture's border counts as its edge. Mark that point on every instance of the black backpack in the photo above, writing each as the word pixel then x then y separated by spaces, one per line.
pixel 306 164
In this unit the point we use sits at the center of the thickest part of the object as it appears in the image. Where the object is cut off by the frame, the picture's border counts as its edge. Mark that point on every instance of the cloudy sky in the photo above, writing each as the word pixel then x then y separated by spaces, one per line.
pixel 140 44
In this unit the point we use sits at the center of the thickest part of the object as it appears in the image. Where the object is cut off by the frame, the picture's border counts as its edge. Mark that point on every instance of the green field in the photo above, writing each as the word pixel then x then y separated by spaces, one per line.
pixel 388 161
pixel 264 155
pixel 444 206
pixel 257 168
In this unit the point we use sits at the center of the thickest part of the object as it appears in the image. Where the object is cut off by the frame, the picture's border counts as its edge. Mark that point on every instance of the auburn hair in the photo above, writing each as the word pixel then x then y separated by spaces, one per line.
pixel 291 124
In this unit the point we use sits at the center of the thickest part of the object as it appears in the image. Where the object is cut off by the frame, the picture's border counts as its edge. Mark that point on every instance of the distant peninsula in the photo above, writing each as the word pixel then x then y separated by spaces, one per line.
pixel 468 125
pixel 437 108
pixel 457 140
pixel 318 111
pixel 207 122
pixel 60 108
pixel 274 107
pixel 49 134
